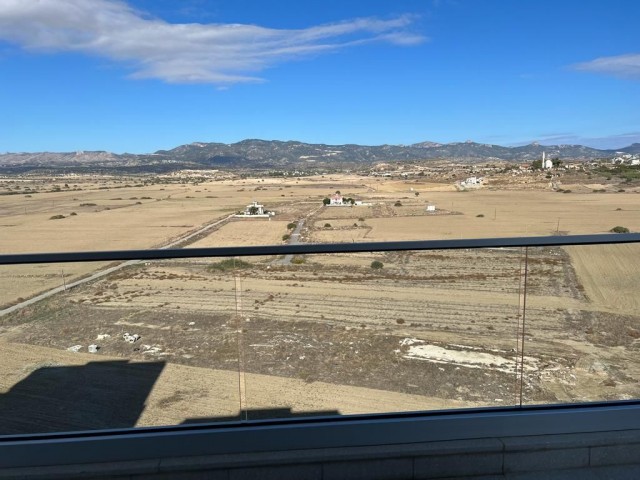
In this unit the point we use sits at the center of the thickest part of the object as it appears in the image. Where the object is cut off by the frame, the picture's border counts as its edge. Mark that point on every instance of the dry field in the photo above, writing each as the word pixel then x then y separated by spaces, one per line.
pixel 103 213
pixel 483 213
pixel 242 232
pixel 327 333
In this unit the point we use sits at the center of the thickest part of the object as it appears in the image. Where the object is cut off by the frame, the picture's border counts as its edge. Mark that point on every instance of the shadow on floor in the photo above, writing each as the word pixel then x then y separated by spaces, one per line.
pixel 262 414
pixel 98 395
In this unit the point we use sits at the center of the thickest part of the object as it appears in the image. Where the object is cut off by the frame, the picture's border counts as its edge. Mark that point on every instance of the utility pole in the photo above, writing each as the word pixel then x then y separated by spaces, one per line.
pixel 64 283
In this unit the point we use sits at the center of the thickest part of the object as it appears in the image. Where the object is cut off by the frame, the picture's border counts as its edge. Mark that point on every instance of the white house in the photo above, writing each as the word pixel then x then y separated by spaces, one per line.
pixel 254 209
pixel 431 208
pixel 336 199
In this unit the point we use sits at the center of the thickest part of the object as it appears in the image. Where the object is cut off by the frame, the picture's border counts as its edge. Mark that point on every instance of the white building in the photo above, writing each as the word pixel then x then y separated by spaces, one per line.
pixel 472 181
pixel 336 199
pixel 254 208
pixel 546 162
pixel 431 208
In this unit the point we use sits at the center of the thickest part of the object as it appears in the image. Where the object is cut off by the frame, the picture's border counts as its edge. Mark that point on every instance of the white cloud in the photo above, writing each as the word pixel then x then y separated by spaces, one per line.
pixel 621 65
pixel 182 53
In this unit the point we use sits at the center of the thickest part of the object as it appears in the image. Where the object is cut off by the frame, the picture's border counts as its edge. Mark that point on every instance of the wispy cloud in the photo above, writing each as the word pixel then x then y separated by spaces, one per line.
pixel 183 53
pixel 627 66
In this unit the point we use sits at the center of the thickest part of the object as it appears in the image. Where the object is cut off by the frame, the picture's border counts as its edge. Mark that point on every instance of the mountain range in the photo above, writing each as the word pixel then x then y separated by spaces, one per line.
pixel 274 154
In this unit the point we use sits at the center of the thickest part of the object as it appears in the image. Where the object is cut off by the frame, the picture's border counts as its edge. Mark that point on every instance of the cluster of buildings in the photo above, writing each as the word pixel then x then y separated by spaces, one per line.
pixel 626 158
pixel 337 200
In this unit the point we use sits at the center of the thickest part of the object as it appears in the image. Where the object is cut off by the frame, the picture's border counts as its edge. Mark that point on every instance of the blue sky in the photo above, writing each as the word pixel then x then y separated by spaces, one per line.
pixel 142 75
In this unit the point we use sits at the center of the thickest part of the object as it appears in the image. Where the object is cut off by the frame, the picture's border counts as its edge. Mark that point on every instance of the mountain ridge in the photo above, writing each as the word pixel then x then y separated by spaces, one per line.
pixel 278 154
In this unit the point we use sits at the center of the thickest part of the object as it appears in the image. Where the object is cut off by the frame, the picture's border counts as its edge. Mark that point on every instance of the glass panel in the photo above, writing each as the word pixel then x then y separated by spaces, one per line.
pixel 582 333
pixel 141 344
pixel 381 332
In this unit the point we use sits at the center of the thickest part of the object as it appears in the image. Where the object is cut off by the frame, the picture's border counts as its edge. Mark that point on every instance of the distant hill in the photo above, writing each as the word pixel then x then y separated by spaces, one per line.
pixel 274 154
pixel 633 149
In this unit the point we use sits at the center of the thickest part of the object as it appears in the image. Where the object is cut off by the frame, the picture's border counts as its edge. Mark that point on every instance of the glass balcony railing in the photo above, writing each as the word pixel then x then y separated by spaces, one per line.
pixel 106 340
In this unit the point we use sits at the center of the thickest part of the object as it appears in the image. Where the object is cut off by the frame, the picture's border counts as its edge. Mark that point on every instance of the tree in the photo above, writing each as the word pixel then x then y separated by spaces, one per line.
pixel 556 162
pixel 536 165
pixel 326 201
pixel 377 265
pixel 619 229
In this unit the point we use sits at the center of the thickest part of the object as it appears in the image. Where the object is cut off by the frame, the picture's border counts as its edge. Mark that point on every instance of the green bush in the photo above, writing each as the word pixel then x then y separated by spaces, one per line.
pixel 619 229
pixel 56 217
pixel 298 260
pixel 377 265
pixel 397 204
pixel 325 201
pixel 361 219
pixel 327 225
pixel 480 215
pixel 286 237
pixel 292 225
pixel 228 264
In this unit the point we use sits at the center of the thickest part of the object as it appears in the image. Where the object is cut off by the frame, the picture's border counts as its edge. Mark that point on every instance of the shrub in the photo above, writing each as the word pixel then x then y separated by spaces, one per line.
pixel 286 237
pixel 56 217
pixel 292 225
pixel 377 265
pixel 87 204
pixel 325 201
pixel 361 219
pixel 480 215
pixel 397 204
pixel 298 260
pixel 327 225
pixel 228 264
pixel 619 229
pixel 73 214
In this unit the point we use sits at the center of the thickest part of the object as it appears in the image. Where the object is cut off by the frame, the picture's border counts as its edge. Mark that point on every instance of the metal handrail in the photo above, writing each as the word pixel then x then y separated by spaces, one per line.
pixel 174 253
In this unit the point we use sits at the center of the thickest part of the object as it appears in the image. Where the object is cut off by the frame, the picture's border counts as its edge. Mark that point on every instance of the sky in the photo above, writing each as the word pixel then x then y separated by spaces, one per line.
pixel 143 75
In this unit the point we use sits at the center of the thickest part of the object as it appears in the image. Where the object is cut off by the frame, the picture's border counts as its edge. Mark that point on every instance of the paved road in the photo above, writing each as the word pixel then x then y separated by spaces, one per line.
pixel 107 271
pixel 293 240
